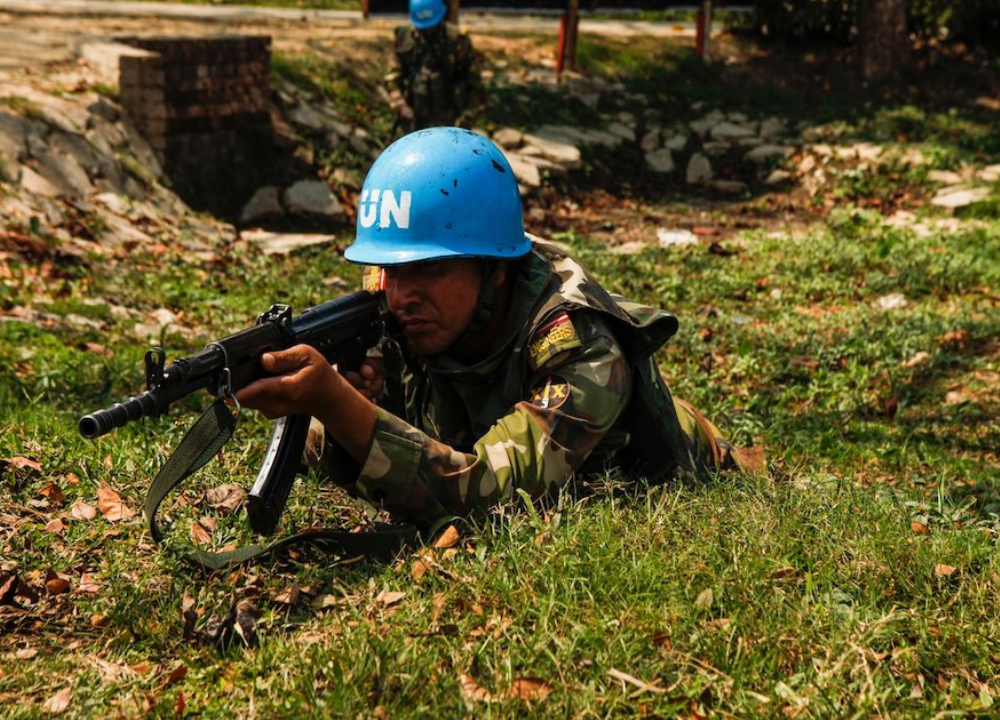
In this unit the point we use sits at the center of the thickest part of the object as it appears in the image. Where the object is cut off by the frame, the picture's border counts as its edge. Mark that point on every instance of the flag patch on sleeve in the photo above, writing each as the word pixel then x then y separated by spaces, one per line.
pixel 556 336
pixel 373 279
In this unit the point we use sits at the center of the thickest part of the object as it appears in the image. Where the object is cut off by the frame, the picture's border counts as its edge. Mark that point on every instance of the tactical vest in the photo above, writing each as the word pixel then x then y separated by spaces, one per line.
pixel 457 404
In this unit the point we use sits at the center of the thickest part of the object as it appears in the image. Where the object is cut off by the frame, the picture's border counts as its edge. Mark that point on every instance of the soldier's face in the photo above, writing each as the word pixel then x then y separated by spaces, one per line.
pixel 434 302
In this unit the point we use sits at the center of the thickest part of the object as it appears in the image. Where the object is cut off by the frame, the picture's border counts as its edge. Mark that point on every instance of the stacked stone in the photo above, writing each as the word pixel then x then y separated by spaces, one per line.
pixel 203 105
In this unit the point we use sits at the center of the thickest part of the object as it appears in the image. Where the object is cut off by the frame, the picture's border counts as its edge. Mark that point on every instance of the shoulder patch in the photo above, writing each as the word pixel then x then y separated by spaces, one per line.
pixel 556 336
pixel 373 279
pixel 550 393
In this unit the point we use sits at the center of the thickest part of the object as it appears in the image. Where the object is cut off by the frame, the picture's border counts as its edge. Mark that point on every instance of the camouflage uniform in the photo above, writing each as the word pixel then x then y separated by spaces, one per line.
pixel 433 73
pixel 571 389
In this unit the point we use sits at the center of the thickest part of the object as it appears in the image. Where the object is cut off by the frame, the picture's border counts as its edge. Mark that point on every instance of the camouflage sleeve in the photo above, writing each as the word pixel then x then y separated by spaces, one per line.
pixel 571 401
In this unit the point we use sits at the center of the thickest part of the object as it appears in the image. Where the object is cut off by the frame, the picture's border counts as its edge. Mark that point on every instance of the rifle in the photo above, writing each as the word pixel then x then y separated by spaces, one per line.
pixel 342 330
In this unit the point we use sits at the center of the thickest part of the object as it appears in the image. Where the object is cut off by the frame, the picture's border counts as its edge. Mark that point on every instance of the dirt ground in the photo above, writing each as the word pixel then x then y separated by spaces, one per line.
pixel 34 46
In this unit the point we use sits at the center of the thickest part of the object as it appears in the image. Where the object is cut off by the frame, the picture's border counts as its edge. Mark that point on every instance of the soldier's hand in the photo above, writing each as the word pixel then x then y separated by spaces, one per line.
pixel 302 382
pixel 369 380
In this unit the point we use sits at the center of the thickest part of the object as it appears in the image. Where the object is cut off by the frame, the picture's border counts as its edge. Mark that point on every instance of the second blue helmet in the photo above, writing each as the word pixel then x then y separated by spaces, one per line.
pixel 426 14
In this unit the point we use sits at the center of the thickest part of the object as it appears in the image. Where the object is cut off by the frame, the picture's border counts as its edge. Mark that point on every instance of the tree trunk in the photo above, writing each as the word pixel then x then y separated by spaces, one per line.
pixel 884 42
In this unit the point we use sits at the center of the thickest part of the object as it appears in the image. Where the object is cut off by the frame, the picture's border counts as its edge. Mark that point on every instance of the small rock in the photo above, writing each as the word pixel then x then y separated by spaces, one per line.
pixel 312 197
pixel 730 187
pixel 728 130
pixel 990 173
pixel 630 248
pixel 651 140
pixel 622 131
pixel 283 243
pixel 675 238
pixel 676 142
pixel 765 152
pixel 945 177
pixel 955 199
pixel 508 138
pixel 527 173
pixel 893 301
pixel 264 205
pixel 660 161
pixel 773 128
pixel 777 177
pixel 34 183
pixel 715 148
pixel 305 117
pixel 556 148
pixel 699 169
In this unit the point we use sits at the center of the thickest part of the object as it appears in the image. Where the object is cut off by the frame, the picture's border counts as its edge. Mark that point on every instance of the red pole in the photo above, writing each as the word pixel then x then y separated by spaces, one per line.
pixel 561 47
pixel 703 30
pixel 699 32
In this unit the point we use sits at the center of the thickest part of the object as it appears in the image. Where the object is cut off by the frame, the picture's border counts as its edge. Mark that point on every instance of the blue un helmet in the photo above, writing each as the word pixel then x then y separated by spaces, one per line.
pixel 426 14
pixel 438 193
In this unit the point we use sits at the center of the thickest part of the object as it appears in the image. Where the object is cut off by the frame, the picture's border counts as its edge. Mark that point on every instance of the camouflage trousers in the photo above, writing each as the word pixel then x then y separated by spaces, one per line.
pixel 710 449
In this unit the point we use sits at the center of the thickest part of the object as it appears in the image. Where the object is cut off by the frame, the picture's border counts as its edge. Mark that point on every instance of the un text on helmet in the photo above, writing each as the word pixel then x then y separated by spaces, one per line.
pixel 386 207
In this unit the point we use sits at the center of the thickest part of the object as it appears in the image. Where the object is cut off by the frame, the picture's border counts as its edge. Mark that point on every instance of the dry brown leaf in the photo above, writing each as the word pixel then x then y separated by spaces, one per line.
pixel 199 535
pixel 26 653
pixel 55 526
pixel 111 505
pixel 437 606
pixel 919 360
pixel 227 497
pixel 942 570
pixel 388 598
pixel 53 493
pixel 530 689
pixel 20 463
pixel 56 585
pixel 289 596
pixel 418 569
pixel 82 511
pixel 448 538
pixel 88 584
pixel 176 675
pixel 919 528
pixel 209 523
pixel 58 702
pixel 473 690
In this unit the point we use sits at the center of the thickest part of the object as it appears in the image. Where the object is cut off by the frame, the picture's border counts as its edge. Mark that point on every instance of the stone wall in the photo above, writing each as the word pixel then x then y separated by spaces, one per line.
pixel 202 103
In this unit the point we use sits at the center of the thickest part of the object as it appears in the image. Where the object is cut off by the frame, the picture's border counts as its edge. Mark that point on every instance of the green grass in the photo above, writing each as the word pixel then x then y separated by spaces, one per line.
pixel 860 580
pixel 809 593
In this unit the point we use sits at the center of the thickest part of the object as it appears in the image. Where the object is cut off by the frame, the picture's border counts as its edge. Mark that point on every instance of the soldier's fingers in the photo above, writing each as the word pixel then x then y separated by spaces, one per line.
pixel 283 361
pixel 371 368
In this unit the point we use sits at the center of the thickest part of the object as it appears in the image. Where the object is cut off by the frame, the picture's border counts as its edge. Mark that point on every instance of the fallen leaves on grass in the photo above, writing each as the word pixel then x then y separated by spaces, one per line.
pixel 88 584
pixel 59 702
pixel 530 689
pixel 942 570
pixel 82 511
pixel 226 497
pixel 919 528
pixel 389 598
pixel 527 689
pixel 112 506
pixel 448 538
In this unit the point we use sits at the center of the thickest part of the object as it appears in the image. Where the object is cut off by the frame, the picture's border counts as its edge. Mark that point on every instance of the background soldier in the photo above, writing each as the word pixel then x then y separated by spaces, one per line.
pixel 435 74
pixel 515 369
